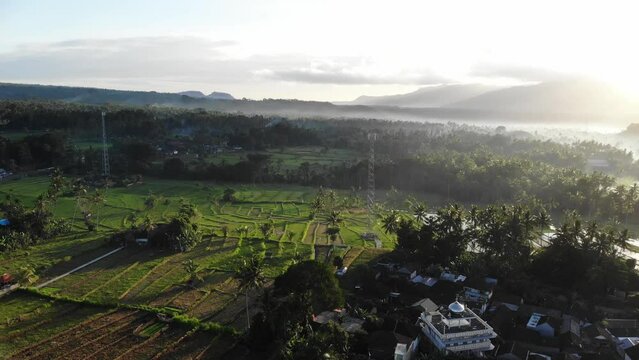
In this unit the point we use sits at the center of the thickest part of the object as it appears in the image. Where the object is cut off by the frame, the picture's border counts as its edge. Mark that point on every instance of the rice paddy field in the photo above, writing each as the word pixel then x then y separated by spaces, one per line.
pixel 290 158
pixel 33 326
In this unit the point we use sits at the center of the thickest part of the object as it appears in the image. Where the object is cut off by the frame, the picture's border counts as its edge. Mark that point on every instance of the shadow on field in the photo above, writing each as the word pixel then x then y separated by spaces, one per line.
pixel 123 257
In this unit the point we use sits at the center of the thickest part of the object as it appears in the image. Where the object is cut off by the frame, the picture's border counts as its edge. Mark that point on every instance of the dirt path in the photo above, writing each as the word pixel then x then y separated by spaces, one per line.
pixel 78 268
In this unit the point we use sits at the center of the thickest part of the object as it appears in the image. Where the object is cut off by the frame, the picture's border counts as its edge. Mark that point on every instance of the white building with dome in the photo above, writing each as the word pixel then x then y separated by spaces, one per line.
pixel 457 329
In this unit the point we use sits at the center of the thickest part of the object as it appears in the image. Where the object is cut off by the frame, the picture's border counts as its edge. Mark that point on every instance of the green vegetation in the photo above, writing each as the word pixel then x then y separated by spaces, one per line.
pixel 26 318
pixel 229 224
pixel 155 279
pixel 463 164
pixel 505 242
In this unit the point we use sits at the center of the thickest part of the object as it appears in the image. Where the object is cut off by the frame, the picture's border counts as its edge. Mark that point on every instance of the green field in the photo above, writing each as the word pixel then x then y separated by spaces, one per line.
pixel 291 158
pixel 148 276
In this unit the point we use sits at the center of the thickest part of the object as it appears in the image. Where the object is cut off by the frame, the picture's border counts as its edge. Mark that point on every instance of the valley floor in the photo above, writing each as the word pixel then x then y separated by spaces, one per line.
pixel 108 309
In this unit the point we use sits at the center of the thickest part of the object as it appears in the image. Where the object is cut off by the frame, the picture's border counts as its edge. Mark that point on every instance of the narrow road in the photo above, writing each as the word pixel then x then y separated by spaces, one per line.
pixel 78 268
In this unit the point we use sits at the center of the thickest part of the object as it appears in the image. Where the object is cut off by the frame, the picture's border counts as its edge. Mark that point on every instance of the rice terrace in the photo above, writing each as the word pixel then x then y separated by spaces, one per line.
pixel 109 309
pixel 319 180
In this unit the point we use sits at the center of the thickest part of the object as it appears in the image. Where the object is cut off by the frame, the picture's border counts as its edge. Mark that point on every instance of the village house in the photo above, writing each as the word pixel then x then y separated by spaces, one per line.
pixel 512 302
pixel 457 329
pixel 342 318
pixel 478 292
pixel 546 326
pixel 623 334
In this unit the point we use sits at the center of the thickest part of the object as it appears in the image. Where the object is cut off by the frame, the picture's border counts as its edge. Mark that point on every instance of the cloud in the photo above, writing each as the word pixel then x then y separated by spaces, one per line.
pixel 515 72
pixel 170 58
pixel 189 60
pixel 177 63
pixel 350 74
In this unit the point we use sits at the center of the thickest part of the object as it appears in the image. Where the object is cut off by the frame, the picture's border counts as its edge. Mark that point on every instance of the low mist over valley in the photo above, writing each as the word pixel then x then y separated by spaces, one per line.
pixel 315 180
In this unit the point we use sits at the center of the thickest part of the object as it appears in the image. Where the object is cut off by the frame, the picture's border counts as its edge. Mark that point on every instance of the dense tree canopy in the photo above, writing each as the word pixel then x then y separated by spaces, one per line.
pixel 314 279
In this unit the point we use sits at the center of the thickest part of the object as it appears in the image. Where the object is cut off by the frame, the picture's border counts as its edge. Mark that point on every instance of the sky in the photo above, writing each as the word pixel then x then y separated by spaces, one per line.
pixel 315 50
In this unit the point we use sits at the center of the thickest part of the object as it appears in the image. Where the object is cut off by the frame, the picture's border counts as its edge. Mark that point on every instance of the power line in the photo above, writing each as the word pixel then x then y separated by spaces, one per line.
pixel 372 137
pixel 106 170
pixel 371 180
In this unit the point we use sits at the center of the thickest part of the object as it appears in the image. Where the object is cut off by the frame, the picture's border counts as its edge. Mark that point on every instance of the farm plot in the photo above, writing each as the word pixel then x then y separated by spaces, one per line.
pixel 234 313
pixel 95 279
pixel 311 230
pixel 323 253
pixel 200 345
pixel 369 255
pixel 190 297
pixel 129 337
pixel 219 295
pixel 297 228
pixel 57 251
pixel 152 277
pixel 154 344
pixel 109 341
pixel 161 278
pixel 116 334
pixel 56 345
pixel 320 235
pixel 26 319
pixel 351 255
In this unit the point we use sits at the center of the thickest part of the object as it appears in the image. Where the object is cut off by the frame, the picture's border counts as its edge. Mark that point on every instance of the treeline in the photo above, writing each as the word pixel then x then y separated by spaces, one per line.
pixel 30 225
pixel 456 162
pixel 477 177
pixel 198 128
pixel 505 241
pixel 34 151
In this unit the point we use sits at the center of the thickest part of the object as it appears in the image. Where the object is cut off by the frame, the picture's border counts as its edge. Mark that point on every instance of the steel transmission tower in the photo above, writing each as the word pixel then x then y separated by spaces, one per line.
pixel 371 180
pixel 372 137
pixel 106 170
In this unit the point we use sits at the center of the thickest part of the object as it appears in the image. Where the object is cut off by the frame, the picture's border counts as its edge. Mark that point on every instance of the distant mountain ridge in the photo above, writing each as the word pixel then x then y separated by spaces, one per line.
pixel 431 96
pixel 193 94
pixel 573 97
pixel 543 103
pixel 215 95
pixel 559 97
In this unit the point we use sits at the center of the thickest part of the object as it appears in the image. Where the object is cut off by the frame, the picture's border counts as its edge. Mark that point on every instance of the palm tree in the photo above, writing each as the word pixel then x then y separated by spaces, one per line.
pixel 474 215
pixel 242 231
pixel 604 243
pixel 266 229
pixel 564 236
pixel 390 222
pixel 150 201
pixel 192 269
pixel 591 233
pixel 334 218
pixel 229 195
pixel 332 232
pixel 622 239
pixel 543 220
pixel 527 220
pixel 451 219
pixel 250 274
pixel 147 224
pixel 420 211
pixel 41 217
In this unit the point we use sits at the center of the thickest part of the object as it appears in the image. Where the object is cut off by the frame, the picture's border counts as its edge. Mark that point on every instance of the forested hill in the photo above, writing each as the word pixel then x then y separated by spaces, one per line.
pixel 290 108
pixel 97 96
